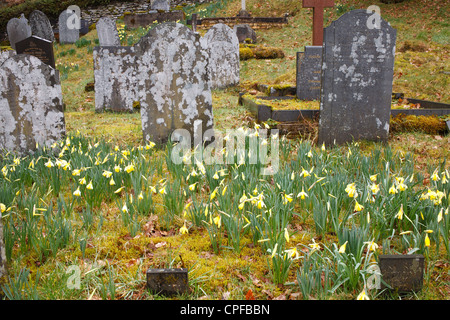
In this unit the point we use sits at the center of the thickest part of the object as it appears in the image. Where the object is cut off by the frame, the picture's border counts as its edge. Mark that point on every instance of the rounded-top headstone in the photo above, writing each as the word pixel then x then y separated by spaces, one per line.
pixel 69 27
pixel 107 32
pixel 40 25
pixel 18 29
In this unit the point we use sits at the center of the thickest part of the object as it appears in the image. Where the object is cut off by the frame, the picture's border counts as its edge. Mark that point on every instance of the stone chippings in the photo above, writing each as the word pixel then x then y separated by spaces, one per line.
pixel 30 104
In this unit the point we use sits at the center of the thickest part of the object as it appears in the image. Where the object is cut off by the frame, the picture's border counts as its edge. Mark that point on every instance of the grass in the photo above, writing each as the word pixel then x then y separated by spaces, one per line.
pixel 112 247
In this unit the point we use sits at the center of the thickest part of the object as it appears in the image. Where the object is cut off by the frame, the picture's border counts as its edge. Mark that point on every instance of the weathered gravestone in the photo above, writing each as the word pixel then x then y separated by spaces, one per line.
pixel 69 27
pixel 4 55
pixel 38 47
pixel 41 26
pixel 160 5
pixel 30 104
pixel 357 75
pixel 107 32
pixel 18 29
pixel 115 74
pixel 223 46
pixel 309 70
pixel 174 89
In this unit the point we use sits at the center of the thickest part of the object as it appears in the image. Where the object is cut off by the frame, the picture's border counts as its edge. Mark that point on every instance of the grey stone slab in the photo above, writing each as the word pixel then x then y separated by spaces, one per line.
pixel 169 282
pixel 18 29
pixel 41 26
pixel 31 107
pixel 357 76
pixel 224 64
pixel 402 272
pixel 309 71
pixel 115 75
pixel 107 32
pixel 38 47
pixel 68 24
pixel 174 84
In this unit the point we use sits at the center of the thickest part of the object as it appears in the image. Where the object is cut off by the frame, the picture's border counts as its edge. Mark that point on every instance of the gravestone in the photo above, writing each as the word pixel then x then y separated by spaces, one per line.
pixel 318 8
pixel 357 76
pixel 68 24
pixel 115 75
pixel 174 89
pixel 38 47
pixel 309 70
pixel 160 5
pixel 30 104
pixel 223 47
pixel 402 272
pixel 168 281
pixel 40 26
pixel 107 32
pixel 244 32
pixel 18 29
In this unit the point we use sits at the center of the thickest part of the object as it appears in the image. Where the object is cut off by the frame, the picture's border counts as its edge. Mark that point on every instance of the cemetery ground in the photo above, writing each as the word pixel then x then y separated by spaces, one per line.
pixel 103 201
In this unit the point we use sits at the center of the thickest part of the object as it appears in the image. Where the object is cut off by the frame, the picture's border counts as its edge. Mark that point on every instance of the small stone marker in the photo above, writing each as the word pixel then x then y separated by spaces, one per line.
pixel 160 5
pixel 223 46
pixel 309 70
pixel 168 281
pixel 357 76
pixel 402 272
pixel 244 32
pixel 30 104
pixel 174 85
pixel 38 47
pixel 41 26
pixel 69 24
pixel 318 7
pixel 18 29
pixel 107 32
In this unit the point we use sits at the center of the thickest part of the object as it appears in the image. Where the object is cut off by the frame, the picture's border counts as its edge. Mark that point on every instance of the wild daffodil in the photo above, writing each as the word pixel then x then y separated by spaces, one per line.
pixel 77 193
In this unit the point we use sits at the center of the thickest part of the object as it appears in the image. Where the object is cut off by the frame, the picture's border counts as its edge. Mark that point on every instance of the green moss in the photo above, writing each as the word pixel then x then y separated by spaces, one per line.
pixel 245 53
pixel 425 124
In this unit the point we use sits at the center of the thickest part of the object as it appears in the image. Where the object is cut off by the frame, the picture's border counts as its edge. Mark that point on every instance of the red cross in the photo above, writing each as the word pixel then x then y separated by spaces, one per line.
pixel 318 8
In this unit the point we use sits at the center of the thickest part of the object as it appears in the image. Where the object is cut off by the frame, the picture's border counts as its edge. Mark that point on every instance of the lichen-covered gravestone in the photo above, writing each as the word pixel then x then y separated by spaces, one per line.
pixel 357 75
pixel 174 89
pixel 223 46
pixel 40 26
pixel 18 29
pixel 107 32
pixel 115 75
pixel 69 27
pixel 30 104
pixel 309 70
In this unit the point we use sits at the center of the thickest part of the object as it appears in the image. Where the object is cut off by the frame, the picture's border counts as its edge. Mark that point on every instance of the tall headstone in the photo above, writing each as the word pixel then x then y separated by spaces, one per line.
pixel 31 109
pixel 318 7
pixel 18 29
pixel 107 32
pixel 38 47
pixel 115 74
pixel 160 5
pixel 69 27
pixel 357 76
pixel 174 83
pixel 223 47
pixel 309 70
pixel 244 32
pixel 41 26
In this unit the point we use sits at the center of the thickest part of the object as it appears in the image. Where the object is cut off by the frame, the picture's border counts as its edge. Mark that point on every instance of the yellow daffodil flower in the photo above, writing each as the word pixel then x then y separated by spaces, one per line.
pixel 274 251
pixel 184 229
pixel 77 192
pixel 371 245
pixel 2 207
pixel 213 194
pixel 363 296
pixel 49 164
pixel 125 208
pixel 287 198
pixel 427 241
pixel 224 190
pixel 373 177
pixel 399 215
pixel 435 176
pixel 119 190
pixel 89 186
pixel 129 168
pixel 302 194
pixel 192 186
pixel 76 172
pixel 358 207
pixel 286 235
pixel 375 188
pixel 140 196
pixel 393 190
pixel 82 181
pixel 107 174
pixel 112 182
pixel 218 221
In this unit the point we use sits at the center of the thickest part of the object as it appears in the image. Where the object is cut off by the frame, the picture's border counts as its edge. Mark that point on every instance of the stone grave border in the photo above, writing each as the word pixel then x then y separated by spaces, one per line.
pixel 264 112
pixel 253 22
